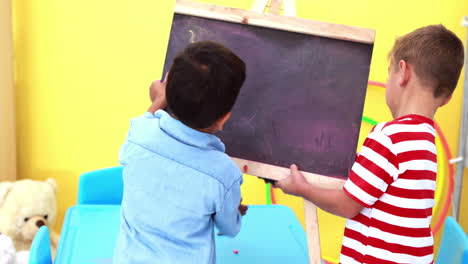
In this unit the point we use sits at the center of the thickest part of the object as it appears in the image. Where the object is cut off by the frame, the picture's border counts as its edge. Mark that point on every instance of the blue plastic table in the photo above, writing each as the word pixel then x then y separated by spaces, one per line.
pixel 270 234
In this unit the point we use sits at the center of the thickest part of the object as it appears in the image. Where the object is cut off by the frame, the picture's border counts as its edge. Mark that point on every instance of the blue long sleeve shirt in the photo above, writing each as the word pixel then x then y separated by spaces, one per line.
pixel 178 184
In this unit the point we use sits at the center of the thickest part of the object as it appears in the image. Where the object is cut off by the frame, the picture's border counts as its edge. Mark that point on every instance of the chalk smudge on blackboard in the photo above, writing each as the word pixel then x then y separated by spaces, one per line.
pixel 192 36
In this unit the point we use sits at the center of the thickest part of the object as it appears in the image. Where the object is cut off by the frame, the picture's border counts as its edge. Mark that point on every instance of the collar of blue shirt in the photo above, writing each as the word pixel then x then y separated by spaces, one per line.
pixel 187 135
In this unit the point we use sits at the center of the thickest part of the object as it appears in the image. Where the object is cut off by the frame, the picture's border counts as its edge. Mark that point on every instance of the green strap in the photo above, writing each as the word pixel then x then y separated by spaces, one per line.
pixel 268 195
pixel 369 120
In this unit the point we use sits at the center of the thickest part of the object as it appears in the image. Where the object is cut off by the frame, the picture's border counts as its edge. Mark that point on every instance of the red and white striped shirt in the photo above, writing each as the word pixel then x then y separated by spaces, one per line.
pixel 394 178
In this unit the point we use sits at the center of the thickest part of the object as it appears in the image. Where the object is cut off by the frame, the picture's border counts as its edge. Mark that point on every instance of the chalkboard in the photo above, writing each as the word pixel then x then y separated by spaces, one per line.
pixel 303 98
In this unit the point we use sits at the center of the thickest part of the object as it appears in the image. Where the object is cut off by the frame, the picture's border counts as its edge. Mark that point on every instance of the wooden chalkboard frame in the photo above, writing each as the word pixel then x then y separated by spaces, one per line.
pixel 292 24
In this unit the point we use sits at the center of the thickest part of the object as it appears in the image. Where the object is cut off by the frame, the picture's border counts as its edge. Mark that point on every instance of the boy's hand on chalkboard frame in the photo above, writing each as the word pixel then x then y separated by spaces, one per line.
pixel 157 91
pixel 292 184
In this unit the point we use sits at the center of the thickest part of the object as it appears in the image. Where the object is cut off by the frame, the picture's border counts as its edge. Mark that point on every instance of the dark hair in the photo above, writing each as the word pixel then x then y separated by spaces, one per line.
pixel 203 83
pixel 436 55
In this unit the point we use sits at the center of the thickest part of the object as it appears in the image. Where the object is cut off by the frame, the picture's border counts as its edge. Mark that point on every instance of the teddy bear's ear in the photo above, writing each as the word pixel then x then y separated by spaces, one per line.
pixel 5 188
pixel 52 183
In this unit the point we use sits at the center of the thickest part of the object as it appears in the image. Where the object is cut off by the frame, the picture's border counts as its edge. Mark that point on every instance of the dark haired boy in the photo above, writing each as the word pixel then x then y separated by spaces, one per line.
pixel 178 182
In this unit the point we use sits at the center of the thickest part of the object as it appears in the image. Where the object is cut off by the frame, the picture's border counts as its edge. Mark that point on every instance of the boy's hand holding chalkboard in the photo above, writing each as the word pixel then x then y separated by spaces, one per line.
pixel 157 93
pixel 293 184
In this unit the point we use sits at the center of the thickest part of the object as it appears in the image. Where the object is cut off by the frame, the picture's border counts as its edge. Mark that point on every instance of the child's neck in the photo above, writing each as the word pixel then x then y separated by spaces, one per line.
pixel 209 130
pixel 418 100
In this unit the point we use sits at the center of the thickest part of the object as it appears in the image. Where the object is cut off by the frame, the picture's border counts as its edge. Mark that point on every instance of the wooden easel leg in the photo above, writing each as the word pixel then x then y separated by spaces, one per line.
pixel 312 230
pixel 275 6
pixel 290 8
pixel 259 5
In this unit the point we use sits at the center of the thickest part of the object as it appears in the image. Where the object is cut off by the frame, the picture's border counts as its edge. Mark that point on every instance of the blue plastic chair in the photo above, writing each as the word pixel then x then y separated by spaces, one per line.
pixel 39 252
pixel 104 186
pixel 454 245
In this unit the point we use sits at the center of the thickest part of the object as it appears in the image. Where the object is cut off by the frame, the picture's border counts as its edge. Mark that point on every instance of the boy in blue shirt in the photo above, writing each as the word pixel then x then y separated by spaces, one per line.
pixel 178 182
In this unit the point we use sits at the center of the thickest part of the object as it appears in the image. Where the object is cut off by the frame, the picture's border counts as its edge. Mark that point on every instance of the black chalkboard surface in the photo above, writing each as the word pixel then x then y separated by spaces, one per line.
pixel 303 98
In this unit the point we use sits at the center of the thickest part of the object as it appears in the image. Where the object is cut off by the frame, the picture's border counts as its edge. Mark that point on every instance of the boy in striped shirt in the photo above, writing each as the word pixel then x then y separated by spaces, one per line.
pixel 389 194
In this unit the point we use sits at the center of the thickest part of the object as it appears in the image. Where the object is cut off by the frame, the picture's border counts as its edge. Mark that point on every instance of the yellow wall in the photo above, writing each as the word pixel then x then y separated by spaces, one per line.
pixel 7 108
pixel 83 69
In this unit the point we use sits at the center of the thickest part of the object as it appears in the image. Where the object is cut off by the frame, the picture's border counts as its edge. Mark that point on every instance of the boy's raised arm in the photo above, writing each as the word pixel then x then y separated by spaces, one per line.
pixel 157 93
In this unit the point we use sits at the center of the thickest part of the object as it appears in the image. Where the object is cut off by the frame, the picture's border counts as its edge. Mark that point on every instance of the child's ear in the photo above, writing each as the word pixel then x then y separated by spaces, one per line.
pixel 405 72
pixel 220 123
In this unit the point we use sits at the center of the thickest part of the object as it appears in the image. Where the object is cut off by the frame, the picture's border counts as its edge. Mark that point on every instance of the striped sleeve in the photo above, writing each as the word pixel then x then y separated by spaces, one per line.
pixel 373 171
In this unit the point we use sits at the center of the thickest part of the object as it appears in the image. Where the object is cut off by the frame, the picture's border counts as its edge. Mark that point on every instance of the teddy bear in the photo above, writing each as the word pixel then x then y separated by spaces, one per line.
pixel 25 206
